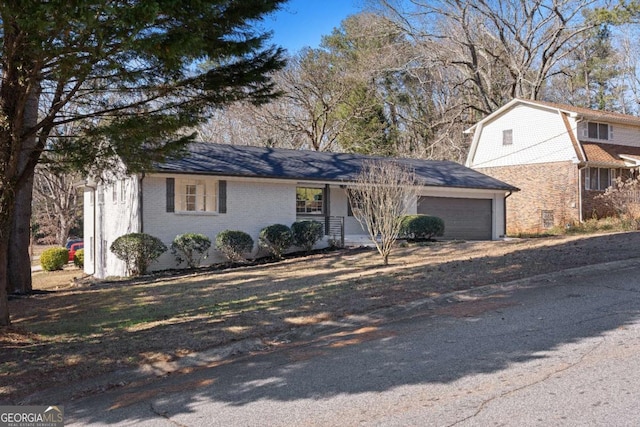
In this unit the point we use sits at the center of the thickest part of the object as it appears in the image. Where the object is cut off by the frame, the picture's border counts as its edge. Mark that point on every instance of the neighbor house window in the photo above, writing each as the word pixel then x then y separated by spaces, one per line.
pixel 599 178
pixel 598 131
pixel 309 201
pixel 507 137
pixel 196 195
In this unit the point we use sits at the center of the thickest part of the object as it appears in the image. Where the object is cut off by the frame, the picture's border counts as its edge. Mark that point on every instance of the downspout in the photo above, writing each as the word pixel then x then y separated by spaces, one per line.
pixel 580 185
pixel 140 203
pixel 504 207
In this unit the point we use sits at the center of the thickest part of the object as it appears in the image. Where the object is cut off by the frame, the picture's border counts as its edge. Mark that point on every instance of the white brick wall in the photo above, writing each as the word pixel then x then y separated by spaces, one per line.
pixel 251 205
pixel 109 219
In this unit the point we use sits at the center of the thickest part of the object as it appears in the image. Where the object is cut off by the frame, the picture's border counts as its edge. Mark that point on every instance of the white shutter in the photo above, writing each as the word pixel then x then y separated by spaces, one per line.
pixel 200 193
pixel 612 177
pixel 610 132
pixel 587 179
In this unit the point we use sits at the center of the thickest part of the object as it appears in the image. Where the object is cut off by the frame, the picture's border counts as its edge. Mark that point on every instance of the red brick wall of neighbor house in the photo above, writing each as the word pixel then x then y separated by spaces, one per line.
pixel 594 206
pixel 548 194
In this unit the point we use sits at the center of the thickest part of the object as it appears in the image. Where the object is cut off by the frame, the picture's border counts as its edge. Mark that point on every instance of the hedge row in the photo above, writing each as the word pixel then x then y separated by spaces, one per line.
pixel 139 250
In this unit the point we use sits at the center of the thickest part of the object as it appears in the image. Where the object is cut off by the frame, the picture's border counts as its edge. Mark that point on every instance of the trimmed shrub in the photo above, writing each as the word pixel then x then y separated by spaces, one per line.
pixel 138 251
pixel 276 238
pixel 191 248
pixel 233 244
pixel 307 233
pixel 78 258
pixel 421 227
pixel 54 259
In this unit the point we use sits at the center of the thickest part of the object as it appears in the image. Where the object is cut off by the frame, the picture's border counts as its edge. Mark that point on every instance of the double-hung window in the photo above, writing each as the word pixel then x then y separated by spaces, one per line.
pixel 309 201
pixel 196 195
pixel 599 178
pixel 601 131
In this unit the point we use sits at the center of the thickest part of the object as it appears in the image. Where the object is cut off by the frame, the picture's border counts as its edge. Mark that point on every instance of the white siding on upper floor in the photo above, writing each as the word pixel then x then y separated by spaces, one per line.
pixel 538 136
pixel 620 134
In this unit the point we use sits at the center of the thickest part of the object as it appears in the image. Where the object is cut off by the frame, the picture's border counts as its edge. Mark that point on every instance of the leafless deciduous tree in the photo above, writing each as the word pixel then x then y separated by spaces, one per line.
pixel 497 49
pixel 381 195
pixel 56 202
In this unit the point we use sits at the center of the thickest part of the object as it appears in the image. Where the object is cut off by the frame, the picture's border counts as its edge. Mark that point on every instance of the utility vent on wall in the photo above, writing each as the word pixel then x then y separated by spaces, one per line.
pixel 547 219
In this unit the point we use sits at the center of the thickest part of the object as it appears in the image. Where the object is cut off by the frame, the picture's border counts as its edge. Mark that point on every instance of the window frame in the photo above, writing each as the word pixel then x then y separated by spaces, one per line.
pixel 599 129
pixel 197 196
pixel 314 212
pixel 595 174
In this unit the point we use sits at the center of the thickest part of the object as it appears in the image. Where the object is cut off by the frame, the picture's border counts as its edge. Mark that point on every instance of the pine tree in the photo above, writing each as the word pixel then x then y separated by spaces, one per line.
pixel 135 72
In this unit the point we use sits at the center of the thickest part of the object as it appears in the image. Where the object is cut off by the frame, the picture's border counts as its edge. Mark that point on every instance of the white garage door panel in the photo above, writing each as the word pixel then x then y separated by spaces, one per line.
pixel 468 219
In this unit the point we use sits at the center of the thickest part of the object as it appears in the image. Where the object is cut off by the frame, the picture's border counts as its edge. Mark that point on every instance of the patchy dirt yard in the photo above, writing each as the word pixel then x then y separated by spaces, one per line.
pixel 83 331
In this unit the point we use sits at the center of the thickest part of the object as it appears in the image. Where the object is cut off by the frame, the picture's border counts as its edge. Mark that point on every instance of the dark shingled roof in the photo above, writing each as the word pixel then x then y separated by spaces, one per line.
pixel 248 161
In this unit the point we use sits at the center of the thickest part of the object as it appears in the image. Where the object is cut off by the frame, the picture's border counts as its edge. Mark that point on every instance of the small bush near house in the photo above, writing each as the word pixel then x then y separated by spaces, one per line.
pixel 54 259
pixel 421 227
pixel 138 251
pixel 276 238
pixel 191 248
pixel 233 244
pixel 78 258
pixel 307 233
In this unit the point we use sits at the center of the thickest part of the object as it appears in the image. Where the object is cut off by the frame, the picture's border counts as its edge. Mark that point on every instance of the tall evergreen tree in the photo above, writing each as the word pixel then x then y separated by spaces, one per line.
pixel 136 71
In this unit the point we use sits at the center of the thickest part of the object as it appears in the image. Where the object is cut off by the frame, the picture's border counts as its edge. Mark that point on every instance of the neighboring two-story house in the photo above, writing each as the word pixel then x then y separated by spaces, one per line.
pixel 561 157
pixel 218 187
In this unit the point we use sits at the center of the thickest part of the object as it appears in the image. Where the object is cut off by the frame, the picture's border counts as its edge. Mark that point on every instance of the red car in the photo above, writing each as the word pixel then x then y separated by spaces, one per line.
pixel 73 248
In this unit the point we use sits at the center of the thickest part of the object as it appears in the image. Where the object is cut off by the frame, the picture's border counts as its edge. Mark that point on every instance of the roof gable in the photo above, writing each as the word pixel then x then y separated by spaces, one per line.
pixel 262 162
pixel 585 113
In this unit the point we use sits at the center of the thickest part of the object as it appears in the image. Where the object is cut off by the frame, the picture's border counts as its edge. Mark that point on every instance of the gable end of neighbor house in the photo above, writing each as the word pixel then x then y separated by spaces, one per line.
pixel 561 157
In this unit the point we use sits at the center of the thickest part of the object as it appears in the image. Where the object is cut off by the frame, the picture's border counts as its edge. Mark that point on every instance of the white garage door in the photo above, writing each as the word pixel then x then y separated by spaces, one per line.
pixel 467 219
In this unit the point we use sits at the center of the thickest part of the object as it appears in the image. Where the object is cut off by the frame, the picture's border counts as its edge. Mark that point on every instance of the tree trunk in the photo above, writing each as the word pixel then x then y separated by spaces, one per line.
pixel 19 259
pixel 4 300
pixel 6 211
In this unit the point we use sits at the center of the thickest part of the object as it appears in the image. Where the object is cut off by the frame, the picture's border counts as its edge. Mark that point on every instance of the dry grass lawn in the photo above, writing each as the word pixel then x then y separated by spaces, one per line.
pixel 75 332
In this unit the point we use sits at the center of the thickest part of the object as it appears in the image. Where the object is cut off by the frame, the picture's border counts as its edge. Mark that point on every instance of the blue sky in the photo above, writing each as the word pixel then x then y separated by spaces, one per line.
pixel 302 23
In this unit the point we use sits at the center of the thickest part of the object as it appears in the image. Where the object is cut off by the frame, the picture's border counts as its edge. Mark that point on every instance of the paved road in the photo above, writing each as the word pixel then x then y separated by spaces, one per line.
pixel 560 350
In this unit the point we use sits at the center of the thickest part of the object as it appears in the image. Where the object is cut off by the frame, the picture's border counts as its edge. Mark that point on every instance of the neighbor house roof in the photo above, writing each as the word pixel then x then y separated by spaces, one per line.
pixel 585 113
pixel 610 154
pixel 249 161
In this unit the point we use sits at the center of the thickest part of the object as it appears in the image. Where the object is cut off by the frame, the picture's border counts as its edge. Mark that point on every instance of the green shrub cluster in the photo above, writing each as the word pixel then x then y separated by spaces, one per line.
pixel 421 227
pixel 54 259
pixel 234 244
pixel 276 239
pixel 138 251
pixel 191 248
pixel 78 258
pixel 307 233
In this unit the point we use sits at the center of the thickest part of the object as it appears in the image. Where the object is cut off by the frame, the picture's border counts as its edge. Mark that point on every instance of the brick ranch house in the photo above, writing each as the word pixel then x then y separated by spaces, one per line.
pixel 561 157
pixel 218 187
